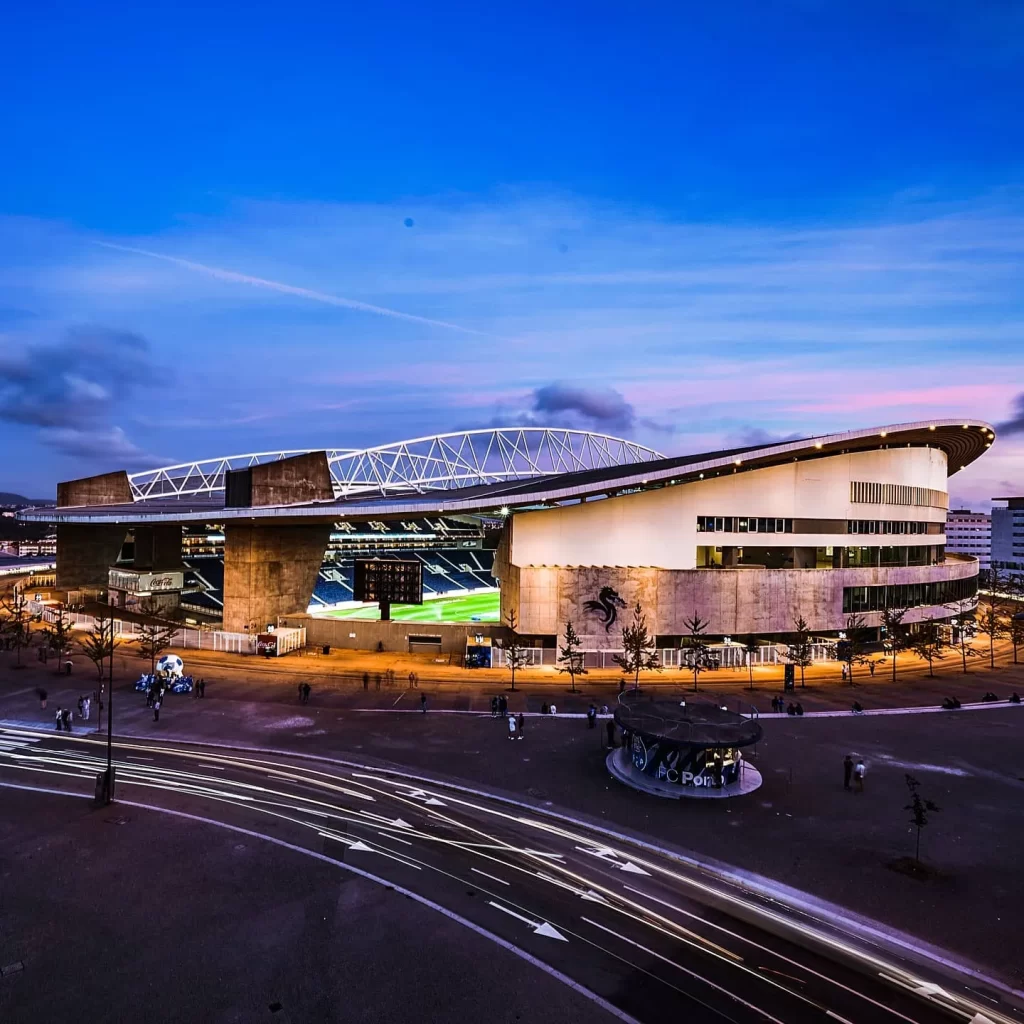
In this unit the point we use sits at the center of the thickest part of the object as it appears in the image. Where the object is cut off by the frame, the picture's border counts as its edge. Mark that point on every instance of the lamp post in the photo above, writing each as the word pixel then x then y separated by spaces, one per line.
pixel 109 788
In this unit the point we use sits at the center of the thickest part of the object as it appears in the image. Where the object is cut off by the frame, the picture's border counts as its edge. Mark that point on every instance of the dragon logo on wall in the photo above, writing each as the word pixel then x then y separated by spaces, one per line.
pixel 606 606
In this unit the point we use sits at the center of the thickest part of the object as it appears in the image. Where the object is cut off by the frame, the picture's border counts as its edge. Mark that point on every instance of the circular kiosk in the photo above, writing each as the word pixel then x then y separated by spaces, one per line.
pixel 684 749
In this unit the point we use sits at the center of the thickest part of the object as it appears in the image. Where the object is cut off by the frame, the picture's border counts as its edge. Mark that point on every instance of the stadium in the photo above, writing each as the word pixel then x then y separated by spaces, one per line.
pixel 532 525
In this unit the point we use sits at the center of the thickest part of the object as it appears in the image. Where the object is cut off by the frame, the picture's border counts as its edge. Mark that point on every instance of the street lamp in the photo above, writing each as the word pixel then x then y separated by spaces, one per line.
pixel 108 789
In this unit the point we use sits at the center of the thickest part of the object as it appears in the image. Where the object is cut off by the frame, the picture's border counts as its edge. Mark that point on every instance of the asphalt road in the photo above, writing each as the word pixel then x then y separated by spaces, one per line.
pixel 644 936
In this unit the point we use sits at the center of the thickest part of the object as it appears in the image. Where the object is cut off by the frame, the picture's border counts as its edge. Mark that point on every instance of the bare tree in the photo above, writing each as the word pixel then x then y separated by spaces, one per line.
pixel 100 643
pixel 16 623
pixel 58 635
pixel 751 645
pixel 1016 635
pixel 963 625
pixel 515 650
pixel 638 650
pixel 800 649
pixel 153 640
pixel 851 648
pixel 919 809
pixel 990 621
pixel 929 644
pixel 694 646
pixel 570 657
pixel 895 632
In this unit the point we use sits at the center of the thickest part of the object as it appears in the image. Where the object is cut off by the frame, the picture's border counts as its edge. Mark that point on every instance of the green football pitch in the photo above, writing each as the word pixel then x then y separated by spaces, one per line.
pixel 467 608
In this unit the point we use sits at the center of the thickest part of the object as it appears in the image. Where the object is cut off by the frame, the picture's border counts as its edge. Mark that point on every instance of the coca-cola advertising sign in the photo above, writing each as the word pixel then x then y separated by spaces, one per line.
pixel 266 644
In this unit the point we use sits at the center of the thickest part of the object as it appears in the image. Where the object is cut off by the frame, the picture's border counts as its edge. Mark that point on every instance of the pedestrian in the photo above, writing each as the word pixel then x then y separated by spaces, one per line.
pixel 847 771
pixel 790 710
pixel 610 727
pixel 59 719
pixel 554 710
pixel 512 727
pixel 86 707
pixel 591 717
pixel 202 689
pixel 494 707
pixel 871 667
pixel 366 680
pixel 503 706
pixel 858 775
pixel 149 696
pixel 156 709
pixel 41 694
pixel 306 689
pixel 412 679
pixel 67 719
pixel 520 726
pixel 81 704
pixel 423 703
pixel 545 708
pixel 376 680
pixel 799 708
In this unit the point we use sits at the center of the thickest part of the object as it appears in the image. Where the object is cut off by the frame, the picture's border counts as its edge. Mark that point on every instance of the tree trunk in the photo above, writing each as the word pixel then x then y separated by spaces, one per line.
pixel 894 662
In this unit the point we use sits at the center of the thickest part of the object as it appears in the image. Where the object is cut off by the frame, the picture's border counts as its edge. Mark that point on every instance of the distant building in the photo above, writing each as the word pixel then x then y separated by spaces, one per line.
pixel 969 533
pixel 1008 534
pixel 32 548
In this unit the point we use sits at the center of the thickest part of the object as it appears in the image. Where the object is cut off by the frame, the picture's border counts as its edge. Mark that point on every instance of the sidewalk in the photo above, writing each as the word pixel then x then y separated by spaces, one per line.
pixel 800 828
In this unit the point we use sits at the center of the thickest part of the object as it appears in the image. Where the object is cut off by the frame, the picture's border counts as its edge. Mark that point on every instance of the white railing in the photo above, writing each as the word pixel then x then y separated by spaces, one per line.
pixel 723 656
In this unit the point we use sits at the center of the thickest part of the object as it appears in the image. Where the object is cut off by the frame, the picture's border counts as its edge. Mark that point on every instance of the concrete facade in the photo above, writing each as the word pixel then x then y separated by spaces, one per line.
pixel 85 554
pixel 269 571
pixel 105 489
pixel 157 547
pixel 292 481
pixel 363 635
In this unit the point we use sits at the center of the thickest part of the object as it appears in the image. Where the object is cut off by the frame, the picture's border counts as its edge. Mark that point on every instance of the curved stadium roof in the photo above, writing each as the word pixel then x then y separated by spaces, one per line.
pixel 480 472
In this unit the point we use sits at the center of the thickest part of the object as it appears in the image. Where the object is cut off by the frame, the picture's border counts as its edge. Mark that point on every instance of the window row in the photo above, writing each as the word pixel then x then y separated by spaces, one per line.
pixel 896 494
pixel 859 558
pixel 884 526
pixel 742 524
pixel 908 595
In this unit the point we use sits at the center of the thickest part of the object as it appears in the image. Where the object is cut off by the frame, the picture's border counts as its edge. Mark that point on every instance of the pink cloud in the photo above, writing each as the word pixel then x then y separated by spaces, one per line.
pixel 961 395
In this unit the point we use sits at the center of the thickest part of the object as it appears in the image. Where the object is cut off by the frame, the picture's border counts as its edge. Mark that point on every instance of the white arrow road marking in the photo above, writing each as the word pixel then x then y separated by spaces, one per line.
pixel 539 927
pixel 980 1018
pixel 421 794
pixel 603 853
pixel 584 894
pixel 632 868
pixel 493 878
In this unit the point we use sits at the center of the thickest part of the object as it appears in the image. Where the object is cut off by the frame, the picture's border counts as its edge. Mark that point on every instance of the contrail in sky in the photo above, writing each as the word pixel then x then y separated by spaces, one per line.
pixel 290 289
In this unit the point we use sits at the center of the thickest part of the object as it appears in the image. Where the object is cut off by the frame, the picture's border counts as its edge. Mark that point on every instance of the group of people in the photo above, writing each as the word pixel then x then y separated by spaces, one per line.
pixel 853 770
pixel 388 679
pixel 304 691
pixel 779 706
pixel 63 718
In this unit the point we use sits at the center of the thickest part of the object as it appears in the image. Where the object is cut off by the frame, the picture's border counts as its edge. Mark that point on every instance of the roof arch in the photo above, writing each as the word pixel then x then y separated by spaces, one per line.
pixel 437 462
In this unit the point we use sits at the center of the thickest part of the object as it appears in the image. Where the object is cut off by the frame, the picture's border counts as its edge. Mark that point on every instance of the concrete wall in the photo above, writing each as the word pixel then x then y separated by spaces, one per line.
pixel 85 553
pixel 351 634
pixel 659 528
pixel 732 601
pixel 106 489
pixel 157 547
pixel 269 571
pixel 300 478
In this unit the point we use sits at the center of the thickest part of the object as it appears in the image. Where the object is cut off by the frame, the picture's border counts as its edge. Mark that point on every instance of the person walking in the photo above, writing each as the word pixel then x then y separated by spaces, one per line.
pixel 156 709
pixel 858 775
pixel 520 726
pixel 41 694
pixel 366 681
pixel 503 706
pixel 81 705
pixel 376 680
pixel 67 719
pixel 59 719
pixel 86 708
pixel 847 771
pixel 306 690
pixel 512 727
pixel 412 680
pixel 844 671
pixel 591 717
pixel 494 707
pixel 202 689
pixel 423 703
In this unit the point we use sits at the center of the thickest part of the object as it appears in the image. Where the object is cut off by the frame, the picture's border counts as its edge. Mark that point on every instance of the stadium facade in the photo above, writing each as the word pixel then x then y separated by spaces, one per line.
pixel 573 525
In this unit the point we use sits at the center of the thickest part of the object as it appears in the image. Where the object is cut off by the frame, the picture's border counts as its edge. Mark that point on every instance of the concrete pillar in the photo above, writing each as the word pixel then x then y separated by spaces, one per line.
pixel 269 571
pixel 158 547
pixel 85 553
pixel 730 556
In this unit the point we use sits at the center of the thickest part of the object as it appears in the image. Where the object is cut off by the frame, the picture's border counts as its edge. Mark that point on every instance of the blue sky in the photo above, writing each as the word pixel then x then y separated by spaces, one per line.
pixel 708 223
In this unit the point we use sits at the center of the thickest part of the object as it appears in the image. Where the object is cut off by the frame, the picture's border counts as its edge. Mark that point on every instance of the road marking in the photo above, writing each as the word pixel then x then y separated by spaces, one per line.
pixel 539 927
pixel 400 696
pixel 835 1016
pixel 388 835
pixel 215 767
pixel 686 970
pixel 493 878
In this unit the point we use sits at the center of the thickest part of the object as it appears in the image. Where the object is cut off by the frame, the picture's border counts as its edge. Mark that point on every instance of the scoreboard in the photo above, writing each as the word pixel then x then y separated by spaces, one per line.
pixel 388 581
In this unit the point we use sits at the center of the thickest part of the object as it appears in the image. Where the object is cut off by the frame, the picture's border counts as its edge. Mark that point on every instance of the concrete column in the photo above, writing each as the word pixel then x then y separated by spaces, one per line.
pixel 269 571
pixel 158 547
pixel 730 556
pixel 85 553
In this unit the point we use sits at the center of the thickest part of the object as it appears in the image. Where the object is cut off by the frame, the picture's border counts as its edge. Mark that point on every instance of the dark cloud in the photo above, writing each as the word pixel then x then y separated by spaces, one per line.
pixel 1014 425
pixel 69 391
pixel 756 435
pixel 604 408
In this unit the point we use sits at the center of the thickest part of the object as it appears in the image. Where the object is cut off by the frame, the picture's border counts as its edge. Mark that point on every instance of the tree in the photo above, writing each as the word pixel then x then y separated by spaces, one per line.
pixel 989 620
pixel 15 623
pixel 153 640
pixel 1016 635
pixel 851 648
pixel 751 645
pixel 963 628
pixel 570 657
pixel 895 632
pixel 919 809
pixel 58 635
pixel 515 651
pixel 929 644
pixel 801 649
pixel 638 650
pixel 100 643
pixel 697 655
